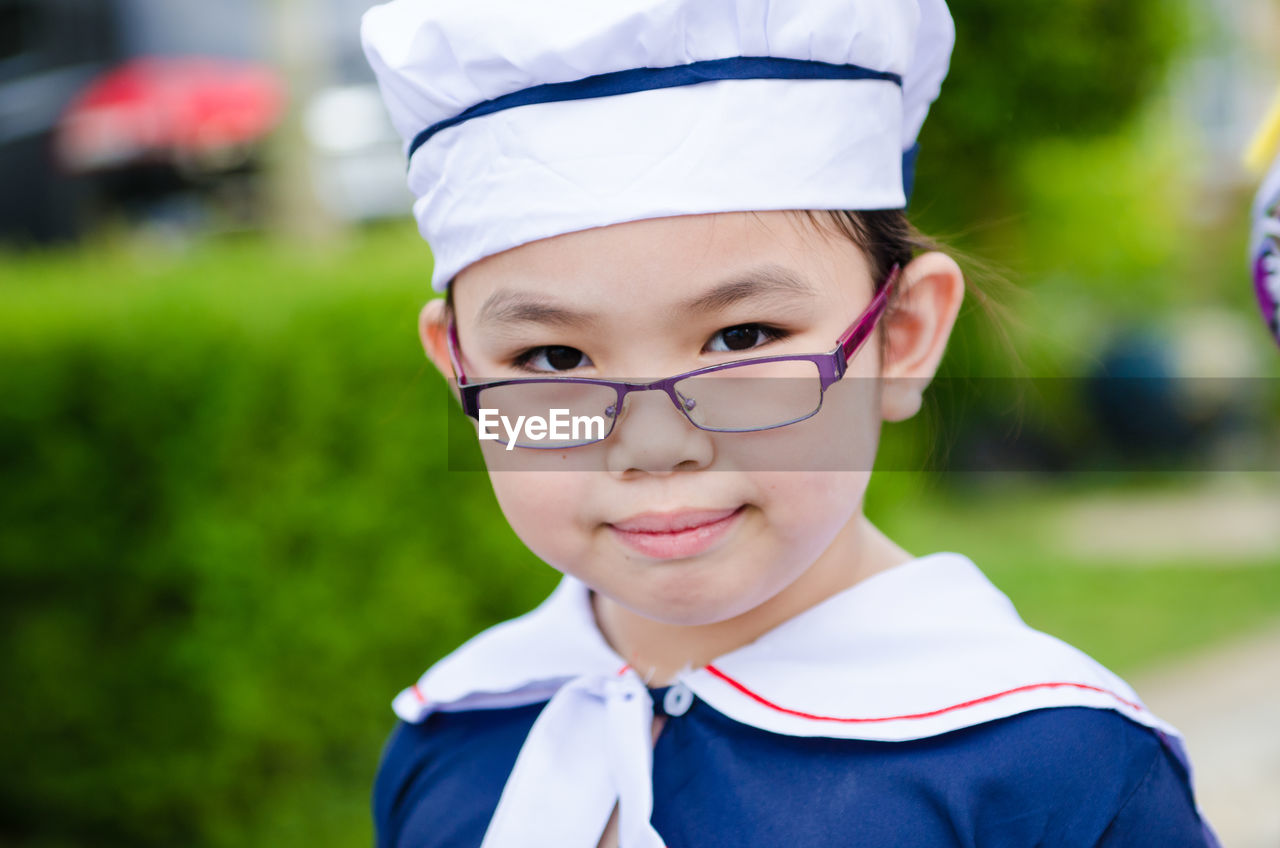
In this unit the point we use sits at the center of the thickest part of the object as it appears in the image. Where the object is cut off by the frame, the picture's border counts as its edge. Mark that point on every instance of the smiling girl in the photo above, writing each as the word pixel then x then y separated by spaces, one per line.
pixel 636 212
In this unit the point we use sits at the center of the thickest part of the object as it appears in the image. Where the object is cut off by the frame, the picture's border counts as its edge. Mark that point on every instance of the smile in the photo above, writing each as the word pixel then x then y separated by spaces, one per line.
pixel 676 535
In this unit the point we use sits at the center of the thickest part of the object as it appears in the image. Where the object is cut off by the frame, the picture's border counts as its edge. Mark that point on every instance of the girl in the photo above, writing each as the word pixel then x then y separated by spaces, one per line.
pixel 678 351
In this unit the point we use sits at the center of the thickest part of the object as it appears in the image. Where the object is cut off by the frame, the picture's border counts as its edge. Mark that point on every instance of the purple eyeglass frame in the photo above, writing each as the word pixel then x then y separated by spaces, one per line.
pixel 831 368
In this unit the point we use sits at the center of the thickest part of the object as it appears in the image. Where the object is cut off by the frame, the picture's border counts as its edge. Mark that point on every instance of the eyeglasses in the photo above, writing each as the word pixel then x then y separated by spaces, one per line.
pixel 742 396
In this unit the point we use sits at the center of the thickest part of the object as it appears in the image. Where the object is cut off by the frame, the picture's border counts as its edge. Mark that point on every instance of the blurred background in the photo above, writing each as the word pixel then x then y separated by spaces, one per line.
pixel 228 529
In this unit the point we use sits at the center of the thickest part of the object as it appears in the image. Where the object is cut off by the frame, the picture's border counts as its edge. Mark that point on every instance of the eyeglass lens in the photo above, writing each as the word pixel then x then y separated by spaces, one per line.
pixel 753 396
pixel 740 398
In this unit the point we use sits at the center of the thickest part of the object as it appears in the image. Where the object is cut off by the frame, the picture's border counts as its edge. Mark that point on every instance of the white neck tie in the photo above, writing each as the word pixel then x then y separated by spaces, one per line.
pixel 590 747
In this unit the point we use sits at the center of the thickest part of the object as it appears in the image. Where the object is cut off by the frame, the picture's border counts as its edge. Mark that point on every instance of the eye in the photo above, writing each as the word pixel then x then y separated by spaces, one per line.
pixel 743 337
pixel 552 358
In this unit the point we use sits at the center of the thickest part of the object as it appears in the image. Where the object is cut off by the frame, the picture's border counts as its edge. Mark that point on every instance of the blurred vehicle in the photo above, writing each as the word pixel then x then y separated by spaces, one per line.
pixel 49 50
pixel 127 104
pixel 357 159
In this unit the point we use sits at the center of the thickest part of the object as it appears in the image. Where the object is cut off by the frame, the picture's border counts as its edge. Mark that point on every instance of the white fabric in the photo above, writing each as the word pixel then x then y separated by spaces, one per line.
pixel 590 746
pixel 534 171
pixel 922 649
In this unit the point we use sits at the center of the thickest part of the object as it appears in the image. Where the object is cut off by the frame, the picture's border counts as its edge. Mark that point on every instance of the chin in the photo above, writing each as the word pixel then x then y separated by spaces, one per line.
pixel 694 599
pixel 686 617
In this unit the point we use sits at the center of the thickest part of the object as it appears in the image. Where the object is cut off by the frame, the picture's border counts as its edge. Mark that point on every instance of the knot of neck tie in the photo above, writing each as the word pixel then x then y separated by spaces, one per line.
pixel 590 748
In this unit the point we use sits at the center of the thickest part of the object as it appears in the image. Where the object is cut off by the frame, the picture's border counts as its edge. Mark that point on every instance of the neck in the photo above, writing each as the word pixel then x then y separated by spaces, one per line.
pixel 658 651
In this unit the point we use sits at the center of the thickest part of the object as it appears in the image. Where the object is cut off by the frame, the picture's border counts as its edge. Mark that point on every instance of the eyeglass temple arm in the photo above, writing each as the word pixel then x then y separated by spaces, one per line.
pixel 857 334
pixel 455 355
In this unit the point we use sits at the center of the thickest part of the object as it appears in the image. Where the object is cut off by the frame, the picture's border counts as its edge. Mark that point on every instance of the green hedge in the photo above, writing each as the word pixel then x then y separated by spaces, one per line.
pixel 228 539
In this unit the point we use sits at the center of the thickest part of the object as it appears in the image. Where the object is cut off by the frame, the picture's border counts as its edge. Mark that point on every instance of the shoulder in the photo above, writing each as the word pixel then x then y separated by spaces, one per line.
pixel 439 781
pixel 1060 740
pixel 1084 776
pixel 1063 776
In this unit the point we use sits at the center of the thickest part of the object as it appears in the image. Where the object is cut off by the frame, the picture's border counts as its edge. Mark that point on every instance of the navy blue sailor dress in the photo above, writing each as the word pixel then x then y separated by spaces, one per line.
pixel 1065 776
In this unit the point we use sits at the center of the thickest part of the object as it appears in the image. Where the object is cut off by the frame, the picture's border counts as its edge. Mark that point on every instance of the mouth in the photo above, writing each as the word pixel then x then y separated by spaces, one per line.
pixel 676 535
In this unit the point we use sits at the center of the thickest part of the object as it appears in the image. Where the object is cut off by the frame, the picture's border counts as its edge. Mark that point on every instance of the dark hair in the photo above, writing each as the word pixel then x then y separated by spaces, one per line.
pixel 885 236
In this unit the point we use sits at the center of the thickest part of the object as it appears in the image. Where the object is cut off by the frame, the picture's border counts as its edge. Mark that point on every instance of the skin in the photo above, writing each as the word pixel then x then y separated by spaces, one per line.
pixel 622 296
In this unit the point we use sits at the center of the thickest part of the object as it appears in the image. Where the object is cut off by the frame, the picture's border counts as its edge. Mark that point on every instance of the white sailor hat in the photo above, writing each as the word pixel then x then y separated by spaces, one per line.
pixel 524 120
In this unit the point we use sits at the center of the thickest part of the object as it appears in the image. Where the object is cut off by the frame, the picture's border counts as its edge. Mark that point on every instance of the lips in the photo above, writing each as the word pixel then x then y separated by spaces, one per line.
pixel 676 535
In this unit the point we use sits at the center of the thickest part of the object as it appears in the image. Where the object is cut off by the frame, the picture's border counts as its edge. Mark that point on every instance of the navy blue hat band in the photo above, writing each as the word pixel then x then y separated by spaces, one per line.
pixel 649 79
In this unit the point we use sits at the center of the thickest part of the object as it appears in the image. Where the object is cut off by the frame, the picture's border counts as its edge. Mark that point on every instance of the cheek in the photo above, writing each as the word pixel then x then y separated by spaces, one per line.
pixel 842 437
pixel 807 510
pixel 542 508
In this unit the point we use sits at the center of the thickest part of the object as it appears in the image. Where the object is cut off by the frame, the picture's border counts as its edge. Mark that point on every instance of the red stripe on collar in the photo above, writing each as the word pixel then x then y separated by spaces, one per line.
pixel 986 698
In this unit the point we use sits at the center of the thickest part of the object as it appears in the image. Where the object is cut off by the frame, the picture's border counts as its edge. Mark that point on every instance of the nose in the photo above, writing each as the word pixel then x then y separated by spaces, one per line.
pixel 652 437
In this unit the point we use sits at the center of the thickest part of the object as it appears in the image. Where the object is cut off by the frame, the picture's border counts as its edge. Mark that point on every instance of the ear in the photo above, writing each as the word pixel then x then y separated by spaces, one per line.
pixel 433 329
pixel 916 328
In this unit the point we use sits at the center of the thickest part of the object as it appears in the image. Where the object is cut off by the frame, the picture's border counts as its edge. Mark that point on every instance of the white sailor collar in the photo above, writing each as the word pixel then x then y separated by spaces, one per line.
pixel 923 648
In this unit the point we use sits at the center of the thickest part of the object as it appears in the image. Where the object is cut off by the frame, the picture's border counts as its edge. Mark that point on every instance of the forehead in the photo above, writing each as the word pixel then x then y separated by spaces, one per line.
pixel 664 264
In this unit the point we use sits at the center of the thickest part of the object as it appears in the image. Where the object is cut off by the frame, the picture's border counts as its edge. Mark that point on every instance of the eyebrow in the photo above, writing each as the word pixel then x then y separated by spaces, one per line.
pixel 765 285
pixel 509 307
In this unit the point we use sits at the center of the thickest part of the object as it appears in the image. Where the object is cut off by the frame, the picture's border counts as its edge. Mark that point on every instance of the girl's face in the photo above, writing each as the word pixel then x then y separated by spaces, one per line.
pixel 673 523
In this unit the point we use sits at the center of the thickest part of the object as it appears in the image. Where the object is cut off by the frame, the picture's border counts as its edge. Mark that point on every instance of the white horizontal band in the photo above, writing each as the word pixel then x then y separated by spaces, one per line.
pixel 523 174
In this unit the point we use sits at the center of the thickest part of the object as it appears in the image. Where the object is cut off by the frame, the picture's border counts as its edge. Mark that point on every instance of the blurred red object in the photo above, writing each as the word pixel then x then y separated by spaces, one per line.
pixel 195 113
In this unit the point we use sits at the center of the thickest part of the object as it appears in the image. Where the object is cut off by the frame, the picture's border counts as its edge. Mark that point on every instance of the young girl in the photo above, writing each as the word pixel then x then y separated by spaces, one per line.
pixel 678 352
